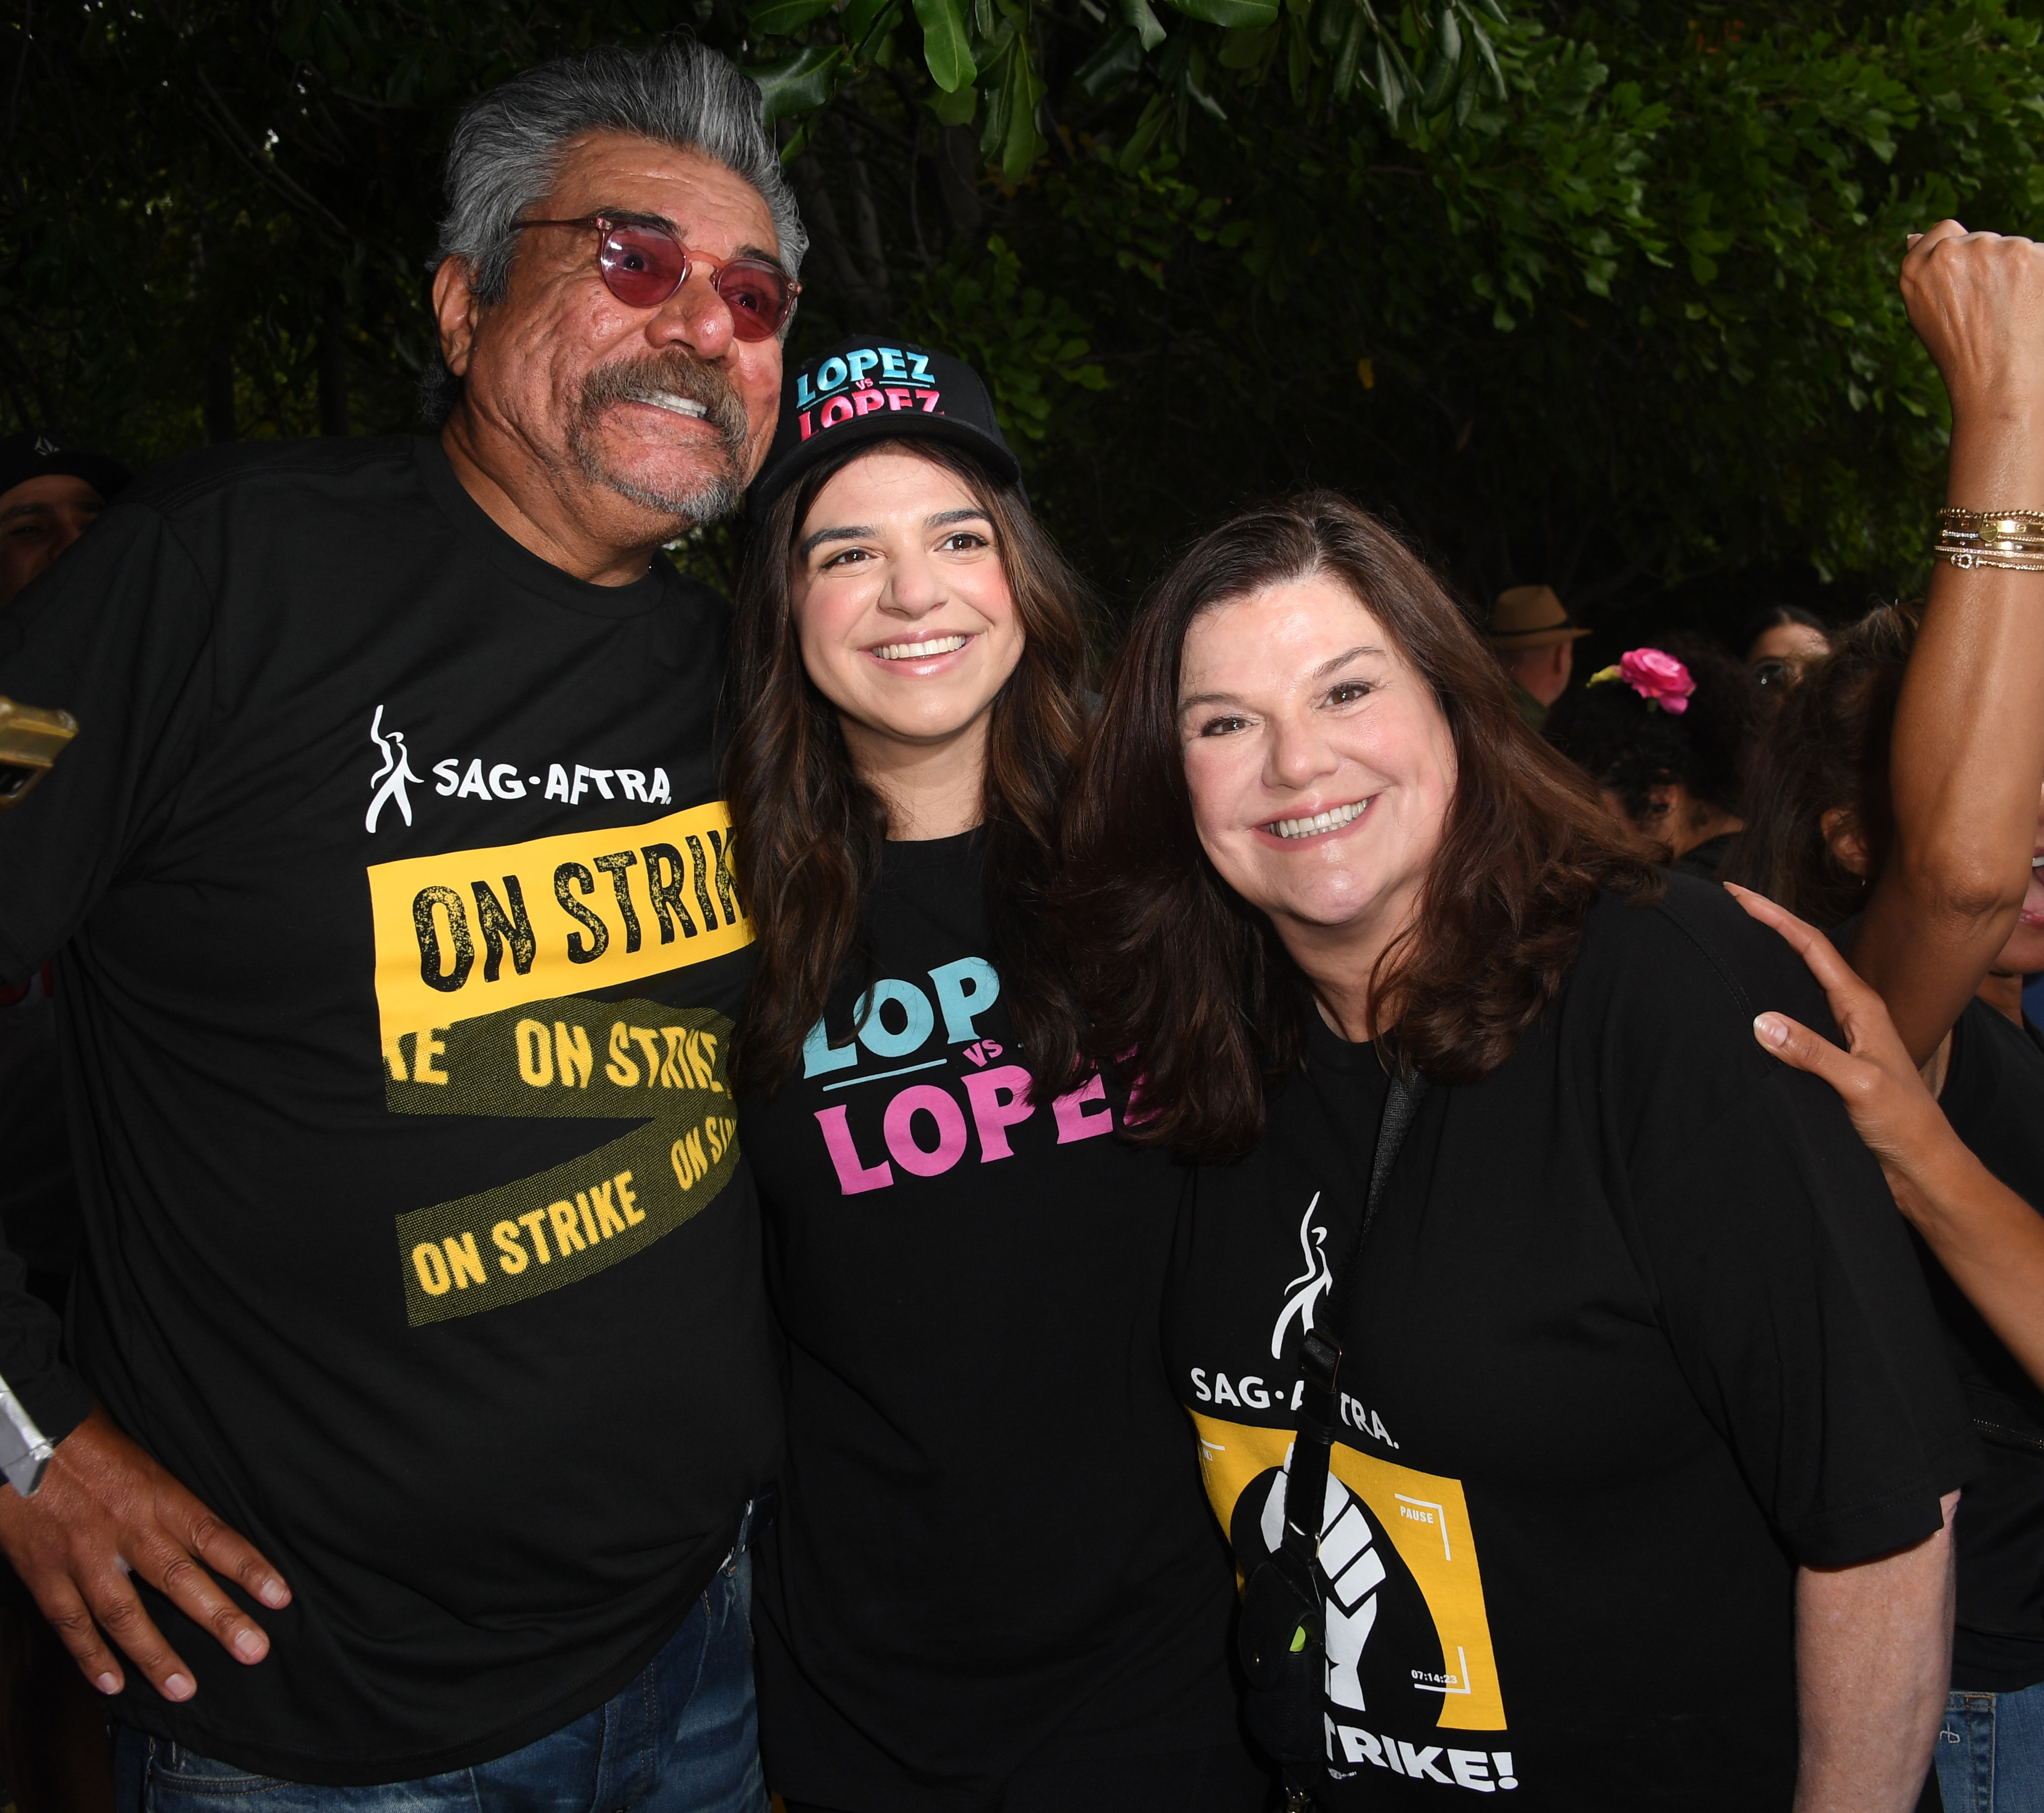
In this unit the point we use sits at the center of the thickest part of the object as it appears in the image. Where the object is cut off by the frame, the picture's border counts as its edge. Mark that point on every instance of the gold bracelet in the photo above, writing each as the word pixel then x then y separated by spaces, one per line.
pixel 2008 531
pixel 1949 543
pixel 1966 560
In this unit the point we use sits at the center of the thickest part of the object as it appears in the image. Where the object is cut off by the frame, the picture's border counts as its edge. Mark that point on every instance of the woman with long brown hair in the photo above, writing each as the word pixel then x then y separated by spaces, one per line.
pixel 991 1584
pixel 1562 1376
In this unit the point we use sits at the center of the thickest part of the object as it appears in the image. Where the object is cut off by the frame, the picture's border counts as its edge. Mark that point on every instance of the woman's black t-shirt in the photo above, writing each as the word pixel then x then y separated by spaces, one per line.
pixel 1994 1097
pixel 1636 1331
pixel 992 1549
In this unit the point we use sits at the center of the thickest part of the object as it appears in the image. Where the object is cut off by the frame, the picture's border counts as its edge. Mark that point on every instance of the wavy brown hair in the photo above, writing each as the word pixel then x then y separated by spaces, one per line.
pixel 809 833
pixel 1827 748
pixel 1193 985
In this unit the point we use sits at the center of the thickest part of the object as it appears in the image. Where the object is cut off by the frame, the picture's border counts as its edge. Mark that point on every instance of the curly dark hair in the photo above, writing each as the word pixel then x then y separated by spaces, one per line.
pixel 1630 747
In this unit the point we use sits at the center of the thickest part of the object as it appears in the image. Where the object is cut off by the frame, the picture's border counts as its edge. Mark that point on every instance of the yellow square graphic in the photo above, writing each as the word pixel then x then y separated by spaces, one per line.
pixel 1427 1520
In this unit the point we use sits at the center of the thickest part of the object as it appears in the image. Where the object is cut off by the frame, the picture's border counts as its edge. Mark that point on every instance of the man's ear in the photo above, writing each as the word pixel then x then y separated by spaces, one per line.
pixel 455 309
pixel 1842 834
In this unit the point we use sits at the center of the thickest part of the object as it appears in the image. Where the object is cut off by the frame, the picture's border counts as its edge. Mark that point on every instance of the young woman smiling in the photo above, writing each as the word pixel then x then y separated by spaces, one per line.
pixel 992 1584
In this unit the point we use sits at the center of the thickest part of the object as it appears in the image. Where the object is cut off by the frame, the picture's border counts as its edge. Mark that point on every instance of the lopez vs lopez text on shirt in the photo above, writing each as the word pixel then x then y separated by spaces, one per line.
pixel 898 1018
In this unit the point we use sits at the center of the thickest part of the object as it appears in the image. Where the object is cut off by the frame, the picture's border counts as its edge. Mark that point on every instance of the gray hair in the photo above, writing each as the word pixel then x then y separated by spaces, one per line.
pixel 504 155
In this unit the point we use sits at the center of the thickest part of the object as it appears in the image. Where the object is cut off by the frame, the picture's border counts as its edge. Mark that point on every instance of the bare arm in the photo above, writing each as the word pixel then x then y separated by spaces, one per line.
pixel 1989 1240
pixel 1968 757
pixel 1873 1661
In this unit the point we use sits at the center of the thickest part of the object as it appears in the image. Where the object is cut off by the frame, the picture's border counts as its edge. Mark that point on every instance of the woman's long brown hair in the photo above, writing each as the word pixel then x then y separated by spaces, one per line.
pixel 1181 978
pixel 809 833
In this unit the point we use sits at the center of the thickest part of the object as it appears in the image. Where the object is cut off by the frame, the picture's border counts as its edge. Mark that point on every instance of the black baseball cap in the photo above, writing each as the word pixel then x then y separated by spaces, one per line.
pixel 870 388
pixel 26 456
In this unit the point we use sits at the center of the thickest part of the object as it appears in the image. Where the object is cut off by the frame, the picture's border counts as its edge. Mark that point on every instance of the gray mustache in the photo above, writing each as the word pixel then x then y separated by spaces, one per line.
pixel 648 380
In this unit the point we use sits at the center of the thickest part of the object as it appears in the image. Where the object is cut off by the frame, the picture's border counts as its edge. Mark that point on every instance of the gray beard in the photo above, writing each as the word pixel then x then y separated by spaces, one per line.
pixel 717 493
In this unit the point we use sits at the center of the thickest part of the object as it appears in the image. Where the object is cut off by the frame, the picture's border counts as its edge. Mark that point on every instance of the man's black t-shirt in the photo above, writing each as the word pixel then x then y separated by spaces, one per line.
pixel 991 1548
pixel 38 1198
pixel 400 956
pixel 1637 1331
pixel 1994 1097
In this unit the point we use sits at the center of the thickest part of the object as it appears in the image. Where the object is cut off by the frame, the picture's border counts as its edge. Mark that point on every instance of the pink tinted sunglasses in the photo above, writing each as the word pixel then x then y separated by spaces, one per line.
pixel 644 264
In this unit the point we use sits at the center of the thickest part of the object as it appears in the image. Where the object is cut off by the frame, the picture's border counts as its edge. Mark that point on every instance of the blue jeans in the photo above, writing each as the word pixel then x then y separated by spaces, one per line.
pixel 683 1738
pixel 1991 1753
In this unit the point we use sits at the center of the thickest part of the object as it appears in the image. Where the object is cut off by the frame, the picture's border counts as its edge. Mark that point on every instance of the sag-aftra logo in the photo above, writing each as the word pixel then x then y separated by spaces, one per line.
pixel 482 778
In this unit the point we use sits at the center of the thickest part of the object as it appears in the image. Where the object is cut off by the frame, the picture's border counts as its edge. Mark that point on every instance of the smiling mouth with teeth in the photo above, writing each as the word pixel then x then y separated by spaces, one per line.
pixel 1333 819
pixel 920 650
pixel 676 406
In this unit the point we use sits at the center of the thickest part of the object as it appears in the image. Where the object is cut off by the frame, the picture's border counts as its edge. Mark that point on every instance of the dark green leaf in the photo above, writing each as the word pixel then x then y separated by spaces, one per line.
pixel 1390 89
pixel 797 84
pixel 1494 77
pixel 1024 144
pixel 1147 127
pixel 858 19
pixel 1118 58
pixel 954 110
pixel 1299 60
pixel 783 18
pixel 1138 17
pixel 1347 58
pixel 944 50
pixel 1442 72
pixel 994 116
pixel 1238 15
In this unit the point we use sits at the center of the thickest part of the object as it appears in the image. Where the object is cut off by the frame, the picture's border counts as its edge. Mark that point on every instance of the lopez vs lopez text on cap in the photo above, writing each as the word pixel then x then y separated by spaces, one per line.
pixel 865 389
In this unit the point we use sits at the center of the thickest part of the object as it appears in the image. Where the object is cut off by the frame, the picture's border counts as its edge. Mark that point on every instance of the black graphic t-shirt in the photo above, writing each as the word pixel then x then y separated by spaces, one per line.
pixel 992 1547
pixel 400 955
pixel 1994 1098
pixel 1637 1331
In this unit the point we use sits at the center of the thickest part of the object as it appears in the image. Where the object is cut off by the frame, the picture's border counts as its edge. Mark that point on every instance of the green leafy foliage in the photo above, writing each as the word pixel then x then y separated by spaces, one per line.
pixel 1603 297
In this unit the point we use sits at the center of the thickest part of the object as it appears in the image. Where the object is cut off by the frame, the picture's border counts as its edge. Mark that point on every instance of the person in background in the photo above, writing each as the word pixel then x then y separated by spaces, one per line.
pixel 1668 735
pixel 1534 639
pixel 1781 640
pixel 52 1726
pixel 50 495
pixel 955 1259
pixel 1899 806
pixel 420 1359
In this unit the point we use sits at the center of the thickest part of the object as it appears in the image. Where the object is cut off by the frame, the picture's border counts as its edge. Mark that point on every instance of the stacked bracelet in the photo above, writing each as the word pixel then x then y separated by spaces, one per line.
pixel 2012 538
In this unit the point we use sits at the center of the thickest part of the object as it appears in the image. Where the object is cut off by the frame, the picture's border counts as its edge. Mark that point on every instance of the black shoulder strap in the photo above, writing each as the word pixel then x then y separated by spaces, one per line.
pixel 1320 1356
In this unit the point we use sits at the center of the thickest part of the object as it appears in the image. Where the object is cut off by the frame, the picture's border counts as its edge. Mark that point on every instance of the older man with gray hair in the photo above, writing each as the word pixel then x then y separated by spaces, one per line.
pixel 420 1362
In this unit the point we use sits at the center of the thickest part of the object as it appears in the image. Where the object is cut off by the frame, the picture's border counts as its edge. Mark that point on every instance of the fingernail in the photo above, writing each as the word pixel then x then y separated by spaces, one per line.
pixel 272 1592
pixel 107 1683
pixel 179 1687
pixel 1775 1032
pixel 248 1647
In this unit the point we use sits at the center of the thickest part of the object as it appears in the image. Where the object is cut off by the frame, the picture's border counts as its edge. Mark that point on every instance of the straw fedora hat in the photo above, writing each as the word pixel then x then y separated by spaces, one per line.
pixel 1531 617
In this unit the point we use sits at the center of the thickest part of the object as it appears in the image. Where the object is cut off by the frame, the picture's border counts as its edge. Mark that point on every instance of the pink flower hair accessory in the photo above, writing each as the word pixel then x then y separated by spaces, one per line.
pixel 1657 677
